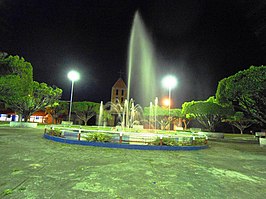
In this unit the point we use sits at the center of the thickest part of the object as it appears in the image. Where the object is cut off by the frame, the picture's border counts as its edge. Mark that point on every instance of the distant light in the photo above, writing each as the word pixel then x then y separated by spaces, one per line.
pixel 169 82
pixel 73 75
pixel 166 102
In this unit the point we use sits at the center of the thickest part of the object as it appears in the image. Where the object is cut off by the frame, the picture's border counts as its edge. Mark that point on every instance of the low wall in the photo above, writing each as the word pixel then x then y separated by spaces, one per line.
pixel 212 135
pixel 67 123
pixel 262 141
pixel 123 146
pixel 23 124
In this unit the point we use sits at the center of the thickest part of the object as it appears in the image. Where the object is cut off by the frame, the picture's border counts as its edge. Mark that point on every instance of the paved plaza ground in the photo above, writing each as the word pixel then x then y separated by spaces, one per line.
pixel 33 167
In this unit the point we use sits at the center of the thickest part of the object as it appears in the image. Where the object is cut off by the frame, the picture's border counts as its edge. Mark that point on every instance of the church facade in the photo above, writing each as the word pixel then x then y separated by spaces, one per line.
pixel 119 91
pixel 118 97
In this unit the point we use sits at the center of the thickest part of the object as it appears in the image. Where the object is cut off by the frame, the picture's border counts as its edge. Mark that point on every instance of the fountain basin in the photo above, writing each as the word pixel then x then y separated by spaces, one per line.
pixel 128 140
pixel 123 146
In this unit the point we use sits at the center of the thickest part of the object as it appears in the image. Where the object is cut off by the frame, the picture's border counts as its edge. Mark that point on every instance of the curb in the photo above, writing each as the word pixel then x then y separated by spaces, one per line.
pixel 124 146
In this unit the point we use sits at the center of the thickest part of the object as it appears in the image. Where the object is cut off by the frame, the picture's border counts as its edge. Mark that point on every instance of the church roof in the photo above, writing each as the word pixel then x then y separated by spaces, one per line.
pixel 120 83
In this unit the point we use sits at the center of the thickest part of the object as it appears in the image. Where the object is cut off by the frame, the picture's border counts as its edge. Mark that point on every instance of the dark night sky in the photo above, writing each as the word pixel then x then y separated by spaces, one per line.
pixel 200 42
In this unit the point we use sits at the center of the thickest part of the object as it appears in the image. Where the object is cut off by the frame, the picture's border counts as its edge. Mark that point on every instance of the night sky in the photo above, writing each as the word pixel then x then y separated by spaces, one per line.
pixel 200 42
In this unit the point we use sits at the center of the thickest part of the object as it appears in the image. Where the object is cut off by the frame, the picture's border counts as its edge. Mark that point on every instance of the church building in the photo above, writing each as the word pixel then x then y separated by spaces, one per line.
pixel 119 91
pixel 118 97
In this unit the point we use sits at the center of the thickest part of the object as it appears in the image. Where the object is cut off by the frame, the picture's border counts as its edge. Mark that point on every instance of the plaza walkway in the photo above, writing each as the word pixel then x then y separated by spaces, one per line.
pixel 33 167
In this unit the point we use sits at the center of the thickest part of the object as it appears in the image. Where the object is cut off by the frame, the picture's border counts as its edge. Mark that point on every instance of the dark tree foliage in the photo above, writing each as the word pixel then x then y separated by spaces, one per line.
pixel 18 90
pixel 58 111
pixel 208 113
pixel 42 96
pixel 246 92
pixel 85 110
pixel 162 115
pixel 239 120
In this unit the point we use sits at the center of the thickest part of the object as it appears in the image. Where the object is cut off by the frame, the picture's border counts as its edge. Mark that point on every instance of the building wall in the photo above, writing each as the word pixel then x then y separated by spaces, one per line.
pixel 119 91
pixel 118 95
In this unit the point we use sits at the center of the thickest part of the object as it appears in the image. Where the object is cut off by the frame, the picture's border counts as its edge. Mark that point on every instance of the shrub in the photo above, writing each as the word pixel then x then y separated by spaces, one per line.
pixel 184 141
pixel 200 141
pixel 98 137
pixel 55 132
pixel 166 141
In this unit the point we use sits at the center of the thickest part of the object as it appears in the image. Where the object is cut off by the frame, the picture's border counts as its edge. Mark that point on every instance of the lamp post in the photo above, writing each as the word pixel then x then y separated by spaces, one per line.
pixel 73 76
pixel 169 82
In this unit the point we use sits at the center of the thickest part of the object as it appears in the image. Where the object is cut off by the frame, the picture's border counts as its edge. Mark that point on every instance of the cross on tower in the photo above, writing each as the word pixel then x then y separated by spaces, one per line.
pixel 120 73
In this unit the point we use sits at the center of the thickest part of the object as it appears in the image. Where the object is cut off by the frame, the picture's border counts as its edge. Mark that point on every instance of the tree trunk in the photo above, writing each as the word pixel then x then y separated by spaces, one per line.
pixel 20 117
pixel 185 124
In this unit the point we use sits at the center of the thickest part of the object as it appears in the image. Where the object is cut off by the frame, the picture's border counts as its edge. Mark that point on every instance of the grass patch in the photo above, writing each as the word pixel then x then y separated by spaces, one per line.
pixel 7 192
pixel 237 135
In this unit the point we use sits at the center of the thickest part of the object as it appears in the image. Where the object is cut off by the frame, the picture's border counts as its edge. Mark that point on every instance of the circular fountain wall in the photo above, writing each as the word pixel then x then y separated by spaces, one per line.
pixel 127 140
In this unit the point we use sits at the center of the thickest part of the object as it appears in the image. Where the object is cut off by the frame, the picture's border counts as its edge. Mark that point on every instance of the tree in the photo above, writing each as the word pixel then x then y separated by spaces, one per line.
pixel 162 115
pixel 208 113
pixel 85 110
pixel 57 110
pixel 186 118
pixel 41 96
pixel 18 90
pixel 15 81
pixel 239 121
pixel 16 69
pixel 246 92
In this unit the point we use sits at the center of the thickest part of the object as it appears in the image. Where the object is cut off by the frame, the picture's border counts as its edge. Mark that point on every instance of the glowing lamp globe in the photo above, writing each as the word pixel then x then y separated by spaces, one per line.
pixel 169 82
pixel 73 75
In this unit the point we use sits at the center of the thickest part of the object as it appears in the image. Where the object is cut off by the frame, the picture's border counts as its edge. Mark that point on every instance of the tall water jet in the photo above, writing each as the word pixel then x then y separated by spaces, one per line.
pixel 150 115
pixel 141 64
pixel 100 121
pixel 132 114
pixel 155 112
pixel 125 117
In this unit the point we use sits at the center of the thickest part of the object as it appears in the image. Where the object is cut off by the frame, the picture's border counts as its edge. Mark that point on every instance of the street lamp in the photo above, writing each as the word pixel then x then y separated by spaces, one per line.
pixel 73 76
pixel 169 82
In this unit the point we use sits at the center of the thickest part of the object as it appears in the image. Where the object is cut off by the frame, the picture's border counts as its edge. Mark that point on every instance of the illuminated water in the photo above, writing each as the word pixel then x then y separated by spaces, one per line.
pixel 155 112
pixel 141 64
pixel 100 114
pixel 150 114
pixel 128 114
pixel 141 77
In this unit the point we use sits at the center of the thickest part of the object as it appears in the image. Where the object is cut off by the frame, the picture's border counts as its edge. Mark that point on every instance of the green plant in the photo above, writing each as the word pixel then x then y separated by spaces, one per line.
pixel 7 192
pixel 199 141
pixel 185 141
pixel 98 137
pixel 166 141
pixel 55 132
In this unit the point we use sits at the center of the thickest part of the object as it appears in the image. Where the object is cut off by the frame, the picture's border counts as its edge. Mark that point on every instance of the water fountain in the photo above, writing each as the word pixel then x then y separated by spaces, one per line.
pixel 150 115
pixel 141 72
pixel 155 112
pixel 125 115
pixel 100 121
pixel 132 112
pixel 129 114
pixel 141 64
pixel 141 85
